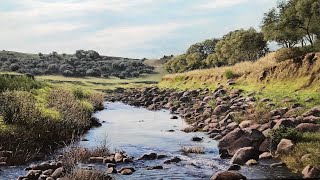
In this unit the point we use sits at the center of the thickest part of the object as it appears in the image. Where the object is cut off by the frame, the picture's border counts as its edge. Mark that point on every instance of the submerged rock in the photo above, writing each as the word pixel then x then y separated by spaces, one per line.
pixel 228 175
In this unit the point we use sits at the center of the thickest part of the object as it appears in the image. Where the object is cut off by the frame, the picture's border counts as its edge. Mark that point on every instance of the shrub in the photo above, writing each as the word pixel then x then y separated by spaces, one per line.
pixel 73 111
pixel 18 82
pixel 229 74
pixel 18 107
pixel 283 133
pixel 287 53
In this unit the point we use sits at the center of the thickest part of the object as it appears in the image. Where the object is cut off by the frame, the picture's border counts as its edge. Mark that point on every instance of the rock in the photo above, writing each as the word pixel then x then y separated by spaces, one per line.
pixel 33 174
pixel 245 124
pixel 109 159
pixel 189 129
pixel 234 167
pixel 265 145
pixel 161 156
pixel 118 157
pixel 195 138
pixel 48 172
pixel 58 173
pixel 126 170
pixel 311 172
pixel 285 146
pixel 278 164
pixel 308 127
pixel 173 160
pixel 154 167
pixel 111 170
pixel 220 109
pixel 127 160
pixel 228 175
pixel 251 162
pixel 244 154
pixel 265 155
pixel 109 165
pixel 283 122
pixel 151 156
pixel 238 138
pixel 313 112
pixel 174 117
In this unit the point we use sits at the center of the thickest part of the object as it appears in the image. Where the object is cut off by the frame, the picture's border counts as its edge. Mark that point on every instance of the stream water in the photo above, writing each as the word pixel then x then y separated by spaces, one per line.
pixel 138 131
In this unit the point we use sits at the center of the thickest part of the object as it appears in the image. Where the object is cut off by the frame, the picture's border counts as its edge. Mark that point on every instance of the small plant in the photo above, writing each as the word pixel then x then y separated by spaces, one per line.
pixel 80 174
pixel 287 53
pixel 283 133
pixel 192 149
pixel 229 74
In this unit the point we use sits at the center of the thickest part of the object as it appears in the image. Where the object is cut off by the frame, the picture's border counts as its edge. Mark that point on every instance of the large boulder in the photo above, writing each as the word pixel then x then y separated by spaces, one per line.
pixel 285 146
pixel 308 127
pixel 311 172
pixel 244 154
pixel 284 122
pixel 313 112
pixel 228 175
pixel 238 138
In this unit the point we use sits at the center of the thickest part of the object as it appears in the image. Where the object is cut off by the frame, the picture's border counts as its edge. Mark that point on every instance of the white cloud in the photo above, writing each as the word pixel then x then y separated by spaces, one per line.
pixel 216 4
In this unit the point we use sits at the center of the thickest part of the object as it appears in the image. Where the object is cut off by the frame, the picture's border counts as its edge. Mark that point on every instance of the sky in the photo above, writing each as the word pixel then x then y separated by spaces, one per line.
pixel 127 28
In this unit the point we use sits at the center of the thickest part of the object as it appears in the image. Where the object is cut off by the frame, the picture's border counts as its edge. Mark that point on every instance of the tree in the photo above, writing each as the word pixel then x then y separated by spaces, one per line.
pixel 203 48
pixel 292 22
pixel 241 45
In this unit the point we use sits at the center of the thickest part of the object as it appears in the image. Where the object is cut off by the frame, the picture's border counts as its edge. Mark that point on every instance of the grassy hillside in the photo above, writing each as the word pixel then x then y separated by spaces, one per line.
pixel 294 78
pixel 285 83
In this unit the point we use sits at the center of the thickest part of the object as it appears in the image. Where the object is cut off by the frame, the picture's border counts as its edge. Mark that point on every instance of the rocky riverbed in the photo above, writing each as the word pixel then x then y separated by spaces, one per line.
pixel 216 113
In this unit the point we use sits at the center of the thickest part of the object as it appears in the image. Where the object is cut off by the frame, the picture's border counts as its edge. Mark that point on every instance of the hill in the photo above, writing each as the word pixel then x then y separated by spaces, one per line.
pixel 82 63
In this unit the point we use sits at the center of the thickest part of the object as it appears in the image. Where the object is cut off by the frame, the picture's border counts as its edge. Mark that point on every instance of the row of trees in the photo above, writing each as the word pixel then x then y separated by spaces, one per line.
pixel 82 63
pixel 236 46
pixel 291 23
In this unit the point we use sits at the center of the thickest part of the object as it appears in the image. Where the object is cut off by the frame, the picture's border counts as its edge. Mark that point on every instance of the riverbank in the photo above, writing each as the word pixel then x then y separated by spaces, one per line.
pixel 247 127
pixel 37 118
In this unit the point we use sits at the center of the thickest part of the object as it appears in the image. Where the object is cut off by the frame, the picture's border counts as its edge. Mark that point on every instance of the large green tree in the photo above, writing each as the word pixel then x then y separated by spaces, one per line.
pixel 241 45
pixel 292 22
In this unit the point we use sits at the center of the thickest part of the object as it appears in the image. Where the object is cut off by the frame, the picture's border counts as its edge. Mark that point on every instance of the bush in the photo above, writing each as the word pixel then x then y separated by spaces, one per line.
pixel 287 53
pixel 229 74
pixel 283 133
pixel 18 107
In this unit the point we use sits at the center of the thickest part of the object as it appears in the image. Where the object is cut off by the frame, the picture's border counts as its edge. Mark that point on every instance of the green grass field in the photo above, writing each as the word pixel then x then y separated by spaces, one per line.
pixel 102 84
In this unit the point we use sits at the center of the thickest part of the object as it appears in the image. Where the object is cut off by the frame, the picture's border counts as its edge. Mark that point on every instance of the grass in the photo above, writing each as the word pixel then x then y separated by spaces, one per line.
pixel 309 145
pixel 42 118
pixel 74 155
pixel 102 84
pixel 193 150
pixel 81 174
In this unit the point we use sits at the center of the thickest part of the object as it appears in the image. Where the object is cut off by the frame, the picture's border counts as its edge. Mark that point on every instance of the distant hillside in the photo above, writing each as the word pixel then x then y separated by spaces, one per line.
pixel 82 63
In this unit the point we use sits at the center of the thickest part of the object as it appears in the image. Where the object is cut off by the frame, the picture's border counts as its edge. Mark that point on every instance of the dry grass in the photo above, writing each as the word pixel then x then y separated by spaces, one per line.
pixel 73 155
pixel 82 174
pixel 211 76
pixel 192 150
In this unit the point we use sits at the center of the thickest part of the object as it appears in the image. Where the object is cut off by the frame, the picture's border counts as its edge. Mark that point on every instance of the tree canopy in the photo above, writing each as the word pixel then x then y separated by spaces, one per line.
pixel 292 22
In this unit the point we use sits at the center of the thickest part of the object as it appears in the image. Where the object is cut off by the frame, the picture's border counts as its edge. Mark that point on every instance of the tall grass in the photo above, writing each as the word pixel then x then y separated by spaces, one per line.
pixel 41 120
pixel 18 82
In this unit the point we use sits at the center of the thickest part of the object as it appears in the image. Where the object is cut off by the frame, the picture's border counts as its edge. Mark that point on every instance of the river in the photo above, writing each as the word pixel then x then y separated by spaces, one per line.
pixel 138 131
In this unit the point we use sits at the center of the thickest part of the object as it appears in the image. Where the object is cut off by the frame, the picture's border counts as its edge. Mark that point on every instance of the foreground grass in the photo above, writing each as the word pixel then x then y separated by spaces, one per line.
pixel 43 117
pixel 306 152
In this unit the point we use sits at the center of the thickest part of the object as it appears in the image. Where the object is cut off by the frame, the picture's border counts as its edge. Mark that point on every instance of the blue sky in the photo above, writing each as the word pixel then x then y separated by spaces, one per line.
pixel 131 28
